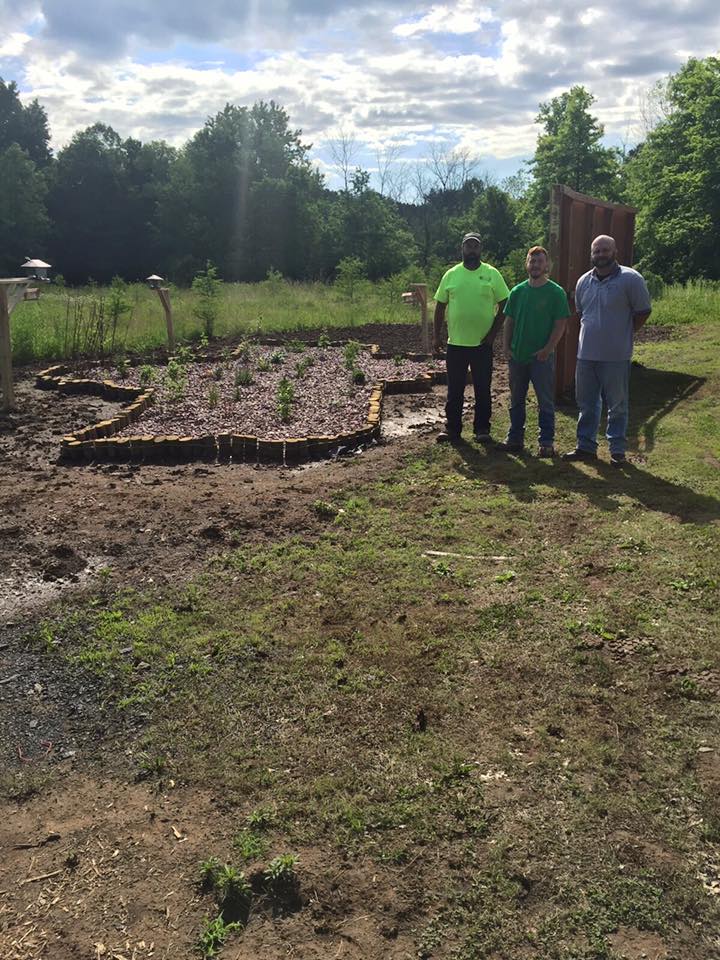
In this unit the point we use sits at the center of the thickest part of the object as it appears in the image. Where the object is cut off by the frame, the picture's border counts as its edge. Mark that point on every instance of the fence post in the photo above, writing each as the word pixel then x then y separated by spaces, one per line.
pixel 421 298
pixel 164 295
pixel 6 380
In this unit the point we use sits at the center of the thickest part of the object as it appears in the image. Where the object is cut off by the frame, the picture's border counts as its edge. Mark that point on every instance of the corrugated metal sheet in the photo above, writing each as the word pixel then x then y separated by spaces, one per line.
pixel 575 220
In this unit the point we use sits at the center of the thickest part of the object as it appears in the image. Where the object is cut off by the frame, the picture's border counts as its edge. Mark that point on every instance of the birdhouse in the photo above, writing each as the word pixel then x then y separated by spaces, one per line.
pixel 154 281
pixel 36 269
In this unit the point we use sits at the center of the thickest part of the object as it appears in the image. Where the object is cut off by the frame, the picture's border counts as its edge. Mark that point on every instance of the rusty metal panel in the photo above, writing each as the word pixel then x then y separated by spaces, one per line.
pixel 575 220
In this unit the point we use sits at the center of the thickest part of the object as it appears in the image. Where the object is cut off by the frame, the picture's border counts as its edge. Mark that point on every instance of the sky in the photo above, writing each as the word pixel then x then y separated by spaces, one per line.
pixel 396 80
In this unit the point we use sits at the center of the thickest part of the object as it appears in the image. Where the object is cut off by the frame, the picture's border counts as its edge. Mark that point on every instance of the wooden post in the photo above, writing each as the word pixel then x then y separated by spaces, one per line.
pixel 11 292
pixel 421 298
pixel 164 295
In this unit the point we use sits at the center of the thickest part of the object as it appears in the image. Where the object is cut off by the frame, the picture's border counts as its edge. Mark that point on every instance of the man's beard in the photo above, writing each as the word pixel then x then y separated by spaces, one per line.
pixel 603 262
pixel 471 259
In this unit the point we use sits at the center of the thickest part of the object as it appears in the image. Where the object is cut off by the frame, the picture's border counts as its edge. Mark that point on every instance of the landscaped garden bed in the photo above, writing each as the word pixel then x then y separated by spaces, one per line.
pixel 289 401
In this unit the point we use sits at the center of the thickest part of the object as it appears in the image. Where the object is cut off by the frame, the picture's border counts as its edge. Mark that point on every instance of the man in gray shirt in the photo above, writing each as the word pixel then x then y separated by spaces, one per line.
pixel 612 303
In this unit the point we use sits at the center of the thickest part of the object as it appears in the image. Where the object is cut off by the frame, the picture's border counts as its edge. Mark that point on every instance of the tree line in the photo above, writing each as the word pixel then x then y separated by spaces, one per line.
pixel 243 194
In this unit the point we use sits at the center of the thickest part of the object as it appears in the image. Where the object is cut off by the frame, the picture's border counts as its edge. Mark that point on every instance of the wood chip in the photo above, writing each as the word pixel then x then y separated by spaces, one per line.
pixel 43 876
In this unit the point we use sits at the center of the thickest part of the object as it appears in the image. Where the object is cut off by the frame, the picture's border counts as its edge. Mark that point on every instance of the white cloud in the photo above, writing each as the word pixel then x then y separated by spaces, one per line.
pixel 449 73
pixel 13 44
pixel 465 17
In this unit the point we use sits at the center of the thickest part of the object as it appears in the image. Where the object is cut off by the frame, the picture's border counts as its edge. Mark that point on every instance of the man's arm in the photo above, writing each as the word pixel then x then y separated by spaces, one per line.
pixel 640 318
pixel 507 335
pixel 497 323
pixel 438 321
pixel 557 332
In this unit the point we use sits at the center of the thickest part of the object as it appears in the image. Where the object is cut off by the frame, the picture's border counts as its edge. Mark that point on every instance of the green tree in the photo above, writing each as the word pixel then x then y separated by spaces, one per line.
pixel 674 178
pixel 26 126
pixel 23 216
pixel 570 151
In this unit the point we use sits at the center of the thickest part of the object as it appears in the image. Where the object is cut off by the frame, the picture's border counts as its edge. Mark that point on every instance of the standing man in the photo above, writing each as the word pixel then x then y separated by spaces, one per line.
pixel 536 314
pixel 612 302
pixel 471 292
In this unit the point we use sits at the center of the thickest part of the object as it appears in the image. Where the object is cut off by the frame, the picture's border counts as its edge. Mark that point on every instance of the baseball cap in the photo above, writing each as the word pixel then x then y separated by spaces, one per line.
pixel 473 235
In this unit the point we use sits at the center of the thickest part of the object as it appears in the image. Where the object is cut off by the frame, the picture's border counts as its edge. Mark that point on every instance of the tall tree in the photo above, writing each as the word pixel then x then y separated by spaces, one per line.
pixel 25 125
pixel 674 177
pixel 23 217
pixel 570 151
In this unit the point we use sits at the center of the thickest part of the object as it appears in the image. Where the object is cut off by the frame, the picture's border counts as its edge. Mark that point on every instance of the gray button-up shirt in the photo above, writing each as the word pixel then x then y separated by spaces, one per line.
pixel 606 309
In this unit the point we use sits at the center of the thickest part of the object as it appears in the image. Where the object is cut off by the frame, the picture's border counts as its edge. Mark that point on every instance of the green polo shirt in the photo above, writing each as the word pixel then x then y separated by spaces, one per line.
pixel 472 296
pixel 534 311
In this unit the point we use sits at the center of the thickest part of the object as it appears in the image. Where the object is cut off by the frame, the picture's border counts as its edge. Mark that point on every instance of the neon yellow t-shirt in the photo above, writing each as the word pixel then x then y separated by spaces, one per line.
pixel 471 296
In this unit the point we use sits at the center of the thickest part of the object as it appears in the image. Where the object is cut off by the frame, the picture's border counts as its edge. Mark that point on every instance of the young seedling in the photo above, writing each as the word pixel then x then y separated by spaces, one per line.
pixel 122 367
pixel 208 873
pixel 263 364
pixel 243 377
pixel 280 873
pixel 147 375
pixel 358 376
pixel 285 397
pixel 323 341
pixel 218 373
pixel 351 352
pixel 214 933
pixel 250 845
pixel 277 358
pixel 213 397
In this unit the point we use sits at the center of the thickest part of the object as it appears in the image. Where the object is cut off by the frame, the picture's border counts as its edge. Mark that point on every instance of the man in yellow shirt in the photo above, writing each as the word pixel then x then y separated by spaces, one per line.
pixel 473 295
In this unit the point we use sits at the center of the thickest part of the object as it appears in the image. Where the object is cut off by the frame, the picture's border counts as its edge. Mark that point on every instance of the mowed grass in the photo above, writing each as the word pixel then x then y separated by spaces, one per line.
pixel 495 678
pixel 48 328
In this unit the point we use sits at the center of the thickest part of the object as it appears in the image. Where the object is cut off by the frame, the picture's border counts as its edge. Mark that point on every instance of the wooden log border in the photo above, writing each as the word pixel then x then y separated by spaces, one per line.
pixel 97 442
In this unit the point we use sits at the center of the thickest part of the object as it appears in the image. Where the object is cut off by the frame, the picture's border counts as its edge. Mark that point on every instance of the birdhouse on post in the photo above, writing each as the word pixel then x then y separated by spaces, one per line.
pixel 36 270
pixel 417 296
pixel 155 283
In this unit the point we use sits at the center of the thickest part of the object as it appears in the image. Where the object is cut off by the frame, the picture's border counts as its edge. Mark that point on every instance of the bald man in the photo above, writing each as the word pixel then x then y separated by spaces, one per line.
pixel 612 303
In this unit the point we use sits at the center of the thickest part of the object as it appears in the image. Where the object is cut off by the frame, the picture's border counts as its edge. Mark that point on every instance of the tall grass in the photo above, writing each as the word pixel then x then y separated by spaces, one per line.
pixel 63 323
pixel 697 301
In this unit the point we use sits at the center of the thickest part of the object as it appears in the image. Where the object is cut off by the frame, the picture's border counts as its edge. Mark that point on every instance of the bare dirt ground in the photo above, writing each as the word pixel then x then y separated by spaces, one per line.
pixel 89 857
pixel 95 865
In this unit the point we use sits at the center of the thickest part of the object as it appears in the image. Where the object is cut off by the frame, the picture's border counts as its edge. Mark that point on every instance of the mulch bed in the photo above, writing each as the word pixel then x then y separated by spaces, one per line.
pixel 326 400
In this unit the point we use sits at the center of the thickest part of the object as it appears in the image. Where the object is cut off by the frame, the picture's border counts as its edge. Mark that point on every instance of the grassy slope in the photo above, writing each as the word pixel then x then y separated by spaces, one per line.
pixel 560 791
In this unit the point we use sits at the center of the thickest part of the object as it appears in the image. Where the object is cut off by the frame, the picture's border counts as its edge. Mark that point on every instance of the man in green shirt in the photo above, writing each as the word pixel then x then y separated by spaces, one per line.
pixel 470 292
pixel 536 314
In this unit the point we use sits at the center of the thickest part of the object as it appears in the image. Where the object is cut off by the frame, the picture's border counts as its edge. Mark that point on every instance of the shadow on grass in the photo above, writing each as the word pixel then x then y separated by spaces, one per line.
pixel 653 395
pixel 602 484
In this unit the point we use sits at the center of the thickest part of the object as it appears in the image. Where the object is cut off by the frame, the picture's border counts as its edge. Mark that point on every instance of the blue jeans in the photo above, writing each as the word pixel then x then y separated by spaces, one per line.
pixel 541 373
pixel 598 381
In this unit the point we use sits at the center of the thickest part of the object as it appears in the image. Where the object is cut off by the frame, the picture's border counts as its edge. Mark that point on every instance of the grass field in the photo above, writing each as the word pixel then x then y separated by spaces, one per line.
pixel 499 677
pixel 64 323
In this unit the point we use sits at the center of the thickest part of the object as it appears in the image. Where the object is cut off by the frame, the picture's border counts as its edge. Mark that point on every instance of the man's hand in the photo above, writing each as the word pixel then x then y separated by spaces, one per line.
pixel 543 354
pixel 436 345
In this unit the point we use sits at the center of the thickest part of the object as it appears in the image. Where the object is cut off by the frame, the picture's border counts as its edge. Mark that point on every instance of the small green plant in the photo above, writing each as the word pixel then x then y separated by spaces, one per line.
pixel 175 381
pixel 147 375
pixel 243 377
pixel 277 358
pixel 218 373
pixel 183 354
pixel 250 845
pixel 264 364
pixel 303 366
pixel 261 818
pixel 121 365
pixel 213 397
pixel 506 577
pixel 358 376
pixel 280 872
pixel 285 398
pixel 214 933
pixel 323 341
pixel 208 873
pixel 232 885
pixel 296 346
pixel 398 360
pixel 351 352
pixel 207 288
pixel 325 510
pixel 243 351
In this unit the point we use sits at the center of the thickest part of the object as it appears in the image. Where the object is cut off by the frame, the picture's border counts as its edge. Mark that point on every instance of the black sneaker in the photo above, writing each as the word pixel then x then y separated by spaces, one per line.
pixel 446 437
pixel 483 436
pixel 507 447
pixel 578 454
pixel 618 459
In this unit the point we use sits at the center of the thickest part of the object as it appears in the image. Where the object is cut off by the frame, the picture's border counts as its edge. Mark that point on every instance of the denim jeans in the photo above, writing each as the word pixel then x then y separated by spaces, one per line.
pixel 598 381
pixel 541 373
pixel 480 361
